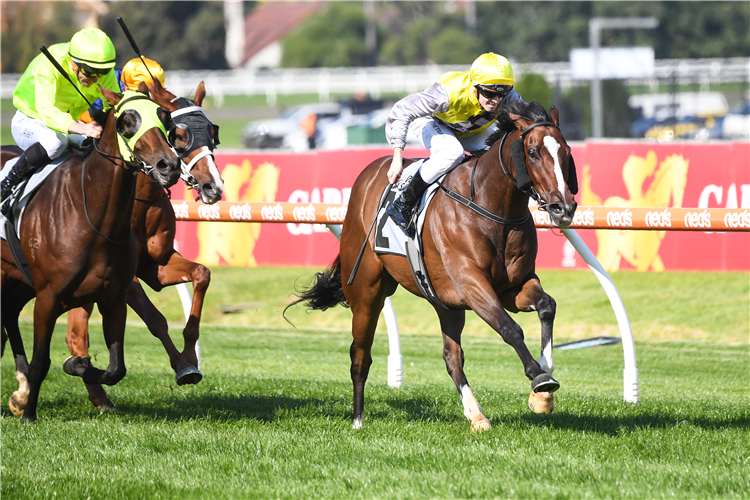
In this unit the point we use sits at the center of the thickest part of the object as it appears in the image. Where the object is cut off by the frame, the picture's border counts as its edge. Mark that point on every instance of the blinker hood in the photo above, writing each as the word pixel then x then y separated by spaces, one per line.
pixel 145 111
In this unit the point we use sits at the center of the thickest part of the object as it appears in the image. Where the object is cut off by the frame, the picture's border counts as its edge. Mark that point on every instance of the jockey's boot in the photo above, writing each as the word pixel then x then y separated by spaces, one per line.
pixel 28 162
pixel 402 209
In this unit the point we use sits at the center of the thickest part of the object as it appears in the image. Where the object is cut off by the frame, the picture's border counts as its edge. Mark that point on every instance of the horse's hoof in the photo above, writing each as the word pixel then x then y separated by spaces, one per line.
pixel 544 383
pixel 188 375
pixel 105 408
pixel 481 425
pixel 76 365
pixel 542 402
pixel 16 406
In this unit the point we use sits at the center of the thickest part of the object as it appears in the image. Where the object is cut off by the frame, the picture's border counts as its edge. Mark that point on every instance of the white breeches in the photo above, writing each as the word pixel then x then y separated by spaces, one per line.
pixel 28 131
pixel 446 150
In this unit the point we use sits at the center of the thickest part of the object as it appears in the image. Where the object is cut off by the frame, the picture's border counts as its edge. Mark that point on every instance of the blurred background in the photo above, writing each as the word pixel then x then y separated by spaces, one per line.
pixel 323 75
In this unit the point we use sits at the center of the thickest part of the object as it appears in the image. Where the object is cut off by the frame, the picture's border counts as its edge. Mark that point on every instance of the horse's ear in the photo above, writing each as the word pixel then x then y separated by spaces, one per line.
pixel 200 93
pixel 143 88
pixel 520 123
pixel 112 97
pixel 555 114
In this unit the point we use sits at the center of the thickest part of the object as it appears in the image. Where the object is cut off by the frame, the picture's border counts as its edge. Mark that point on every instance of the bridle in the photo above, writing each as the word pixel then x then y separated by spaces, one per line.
pixel 201 133
pixel 518 156
pixel 522 182
pixel 135 164
pixel 124 139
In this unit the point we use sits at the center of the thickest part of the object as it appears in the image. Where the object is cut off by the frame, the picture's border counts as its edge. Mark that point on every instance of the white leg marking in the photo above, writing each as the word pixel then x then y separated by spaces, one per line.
pixel 553 147
pixel 23 383
pixel 357 423
pixel 545 360
pixel 471 405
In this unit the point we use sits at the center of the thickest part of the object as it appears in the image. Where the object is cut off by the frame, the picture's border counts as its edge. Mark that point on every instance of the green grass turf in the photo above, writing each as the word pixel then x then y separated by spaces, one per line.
pixel 272 416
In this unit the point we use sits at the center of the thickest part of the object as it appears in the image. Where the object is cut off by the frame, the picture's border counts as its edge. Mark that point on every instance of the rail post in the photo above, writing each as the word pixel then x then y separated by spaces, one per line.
pixel 630 373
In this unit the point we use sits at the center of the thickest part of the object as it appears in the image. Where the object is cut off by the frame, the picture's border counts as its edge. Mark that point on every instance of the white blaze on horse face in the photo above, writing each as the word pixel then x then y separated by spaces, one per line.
pixel 553 147
pixel 545 360
pixel 215 173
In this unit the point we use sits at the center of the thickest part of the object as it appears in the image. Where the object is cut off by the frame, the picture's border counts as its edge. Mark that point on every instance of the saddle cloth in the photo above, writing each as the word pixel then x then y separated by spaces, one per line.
pixel 389 238
pixel 26 189
pixel 22 194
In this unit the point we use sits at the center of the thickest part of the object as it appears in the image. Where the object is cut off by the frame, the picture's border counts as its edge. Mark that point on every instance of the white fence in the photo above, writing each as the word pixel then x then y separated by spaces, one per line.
pixel 407 79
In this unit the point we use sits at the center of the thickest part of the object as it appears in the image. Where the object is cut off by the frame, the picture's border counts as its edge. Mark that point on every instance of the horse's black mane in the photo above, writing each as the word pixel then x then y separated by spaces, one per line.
pixel 532 111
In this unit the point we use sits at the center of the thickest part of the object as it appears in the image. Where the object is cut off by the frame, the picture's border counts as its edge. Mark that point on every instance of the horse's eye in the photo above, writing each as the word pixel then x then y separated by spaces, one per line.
pixel 180 136
pixel 532 153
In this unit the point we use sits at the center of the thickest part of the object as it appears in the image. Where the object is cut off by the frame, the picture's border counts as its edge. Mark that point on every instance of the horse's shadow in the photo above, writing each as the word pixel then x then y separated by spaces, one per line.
pixel 385 406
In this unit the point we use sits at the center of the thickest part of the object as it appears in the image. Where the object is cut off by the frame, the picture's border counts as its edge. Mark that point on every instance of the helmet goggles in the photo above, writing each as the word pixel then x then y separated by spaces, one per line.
pixel 493 91
pixel 88 71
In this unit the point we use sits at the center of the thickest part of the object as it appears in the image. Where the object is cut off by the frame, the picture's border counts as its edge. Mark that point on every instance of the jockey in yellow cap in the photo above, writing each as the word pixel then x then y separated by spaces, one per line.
pixel 48 104
pixel 454 115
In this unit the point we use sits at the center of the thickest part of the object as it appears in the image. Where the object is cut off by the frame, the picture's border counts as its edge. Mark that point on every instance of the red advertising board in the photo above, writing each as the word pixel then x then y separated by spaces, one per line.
pixel 615 174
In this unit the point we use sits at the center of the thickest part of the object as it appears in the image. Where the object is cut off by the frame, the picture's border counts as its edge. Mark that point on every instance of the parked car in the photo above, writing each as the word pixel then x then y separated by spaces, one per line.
pixel 285 132
pixel 736 124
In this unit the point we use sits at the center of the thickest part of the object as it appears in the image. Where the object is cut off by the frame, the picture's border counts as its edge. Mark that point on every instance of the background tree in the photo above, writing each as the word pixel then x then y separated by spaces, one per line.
pixel 333 37
pixel 178 35
pixel 26 28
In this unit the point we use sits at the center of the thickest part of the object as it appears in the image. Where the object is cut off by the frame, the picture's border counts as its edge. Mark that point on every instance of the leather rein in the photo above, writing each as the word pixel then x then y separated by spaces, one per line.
pixel 469 202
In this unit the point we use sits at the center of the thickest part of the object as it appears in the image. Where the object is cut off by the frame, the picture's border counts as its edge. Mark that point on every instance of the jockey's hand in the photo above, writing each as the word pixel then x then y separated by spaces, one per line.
pixel 92 129
pixel 397 166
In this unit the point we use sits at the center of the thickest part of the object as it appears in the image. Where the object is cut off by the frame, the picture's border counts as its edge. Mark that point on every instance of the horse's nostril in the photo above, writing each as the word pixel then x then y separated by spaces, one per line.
pixel 556 209
pixel 208 188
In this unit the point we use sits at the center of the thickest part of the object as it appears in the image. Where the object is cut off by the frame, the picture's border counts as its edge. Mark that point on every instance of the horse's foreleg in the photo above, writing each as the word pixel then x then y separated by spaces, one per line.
pixel 114 316
pixel 533 297
pixel 480 296
pixel 13 300
pixel 452 324
pixel 77 339
pixel 157 324
pixel 180 270
pixel 19 397
pixel 46 311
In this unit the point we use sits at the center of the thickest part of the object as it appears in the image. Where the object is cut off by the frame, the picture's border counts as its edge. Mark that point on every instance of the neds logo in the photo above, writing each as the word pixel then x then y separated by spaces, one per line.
pixel 698 219
pixel 209 212
pixel 241 212
pixel 272 212
pixel 620 219
pixel 659 219
pixel 181 210
pixel 304 214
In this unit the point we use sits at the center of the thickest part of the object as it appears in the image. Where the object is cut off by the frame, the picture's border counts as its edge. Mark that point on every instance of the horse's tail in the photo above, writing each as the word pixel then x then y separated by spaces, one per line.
pixel 327 290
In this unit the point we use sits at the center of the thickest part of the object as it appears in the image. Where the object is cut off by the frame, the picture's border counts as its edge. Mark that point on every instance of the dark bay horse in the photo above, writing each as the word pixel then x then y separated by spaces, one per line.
pixel 159 264
pixel 77 239
pixel 473 262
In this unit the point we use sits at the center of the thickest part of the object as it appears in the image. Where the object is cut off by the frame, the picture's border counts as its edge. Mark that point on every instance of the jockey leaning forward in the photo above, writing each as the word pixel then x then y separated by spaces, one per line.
pixel 129 77
pixel 47 102
pixel 454 115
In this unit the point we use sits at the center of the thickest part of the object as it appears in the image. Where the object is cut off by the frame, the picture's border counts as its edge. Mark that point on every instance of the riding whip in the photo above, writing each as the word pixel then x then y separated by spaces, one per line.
pixel 62 71
pixel 362 250
pixel 135 47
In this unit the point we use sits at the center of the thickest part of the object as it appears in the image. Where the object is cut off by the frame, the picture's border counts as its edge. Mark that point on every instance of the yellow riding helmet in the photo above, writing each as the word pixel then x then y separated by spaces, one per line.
pixel 91 48
pixel 134 72
pixel 491 69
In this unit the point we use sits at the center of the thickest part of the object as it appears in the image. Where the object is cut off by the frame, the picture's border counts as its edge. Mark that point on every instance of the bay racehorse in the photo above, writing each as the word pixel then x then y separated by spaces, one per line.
pixel 77 240
pixel 194 138
pixel 473 261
